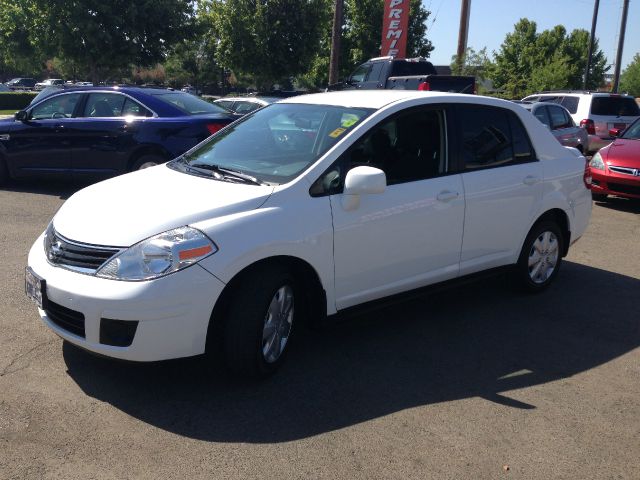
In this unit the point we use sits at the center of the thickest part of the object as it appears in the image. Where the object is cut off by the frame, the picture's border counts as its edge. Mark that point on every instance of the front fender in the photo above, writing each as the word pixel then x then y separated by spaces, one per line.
pixel 300 228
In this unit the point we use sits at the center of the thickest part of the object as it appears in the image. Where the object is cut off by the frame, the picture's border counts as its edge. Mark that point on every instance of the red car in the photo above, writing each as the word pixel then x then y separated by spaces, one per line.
pixel 615 169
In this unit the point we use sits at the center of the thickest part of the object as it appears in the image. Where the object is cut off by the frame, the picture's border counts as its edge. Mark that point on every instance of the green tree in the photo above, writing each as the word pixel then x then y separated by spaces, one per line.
pixel 270 40
pixel 630 78
pixel 19 52
pixel 512 69
pixel 101 37
pixel 529 61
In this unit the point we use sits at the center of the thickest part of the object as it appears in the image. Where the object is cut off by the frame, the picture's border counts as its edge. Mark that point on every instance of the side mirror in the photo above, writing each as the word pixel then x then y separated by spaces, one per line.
pixel 615 132
pixel 362 181
pixel 22 116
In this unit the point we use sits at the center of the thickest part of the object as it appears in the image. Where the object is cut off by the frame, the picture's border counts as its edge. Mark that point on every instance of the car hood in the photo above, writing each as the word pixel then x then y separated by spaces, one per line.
pixel 124 210
pixel 624 153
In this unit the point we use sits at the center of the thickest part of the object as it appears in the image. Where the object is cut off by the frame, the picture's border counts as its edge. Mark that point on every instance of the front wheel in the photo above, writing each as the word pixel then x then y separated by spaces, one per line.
pixel 541 257
pixel 259 321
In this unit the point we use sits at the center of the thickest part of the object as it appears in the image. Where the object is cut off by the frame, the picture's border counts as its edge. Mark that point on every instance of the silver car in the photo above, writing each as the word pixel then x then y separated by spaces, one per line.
pixel 559 121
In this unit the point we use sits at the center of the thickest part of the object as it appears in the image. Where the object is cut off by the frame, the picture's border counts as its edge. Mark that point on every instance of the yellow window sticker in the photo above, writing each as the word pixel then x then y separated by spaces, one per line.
pixel 337 132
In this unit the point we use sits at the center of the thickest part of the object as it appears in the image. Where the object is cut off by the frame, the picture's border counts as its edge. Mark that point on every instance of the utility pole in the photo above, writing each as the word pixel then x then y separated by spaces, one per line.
pixel 623 28
pixel 463 33
pixel 336 36
pixel 592 40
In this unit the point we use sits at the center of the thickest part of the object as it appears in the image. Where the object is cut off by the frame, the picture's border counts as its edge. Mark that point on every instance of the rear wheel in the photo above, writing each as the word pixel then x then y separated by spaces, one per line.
pixel 259 321
pixel 541 256
pixel 147 161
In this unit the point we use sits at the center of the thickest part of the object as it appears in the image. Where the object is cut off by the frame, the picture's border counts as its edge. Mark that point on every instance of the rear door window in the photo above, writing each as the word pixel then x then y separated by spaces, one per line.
pixel 104 105
pixel 492 137
pixel 614 106
pixel 134 109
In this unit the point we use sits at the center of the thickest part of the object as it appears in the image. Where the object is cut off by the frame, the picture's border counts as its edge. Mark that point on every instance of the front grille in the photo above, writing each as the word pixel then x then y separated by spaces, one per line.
pixel 65 318
pixel 625 170
pixel 77 256
pixel 624 188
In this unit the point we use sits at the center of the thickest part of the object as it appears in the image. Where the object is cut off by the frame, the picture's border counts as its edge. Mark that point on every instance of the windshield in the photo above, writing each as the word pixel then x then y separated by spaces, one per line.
pixel 276 143
pixel 614 106
pixel 633 132
pixel 189 103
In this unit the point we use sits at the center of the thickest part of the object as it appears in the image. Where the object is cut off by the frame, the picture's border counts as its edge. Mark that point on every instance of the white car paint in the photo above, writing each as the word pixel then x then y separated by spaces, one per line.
pixel 411 235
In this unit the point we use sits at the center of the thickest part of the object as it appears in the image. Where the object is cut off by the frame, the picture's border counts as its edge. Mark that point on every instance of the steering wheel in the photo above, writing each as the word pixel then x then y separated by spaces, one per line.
pixel 58 115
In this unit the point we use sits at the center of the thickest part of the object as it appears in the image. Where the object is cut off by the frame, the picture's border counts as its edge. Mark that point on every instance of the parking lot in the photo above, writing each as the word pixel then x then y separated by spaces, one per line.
pixel 474 382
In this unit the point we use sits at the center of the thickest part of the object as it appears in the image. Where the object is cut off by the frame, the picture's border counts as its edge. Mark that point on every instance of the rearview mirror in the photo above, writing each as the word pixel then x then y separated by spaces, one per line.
pixel 21 116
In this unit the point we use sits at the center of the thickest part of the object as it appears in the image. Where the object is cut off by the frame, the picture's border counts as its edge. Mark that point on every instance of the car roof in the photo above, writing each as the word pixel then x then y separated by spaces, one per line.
pixel 378 99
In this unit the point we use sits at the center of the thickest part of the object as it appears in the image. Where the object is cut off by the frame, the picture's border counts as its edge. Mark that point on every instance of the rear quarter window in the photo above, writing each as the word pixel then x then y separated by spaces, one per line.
pixel 614 106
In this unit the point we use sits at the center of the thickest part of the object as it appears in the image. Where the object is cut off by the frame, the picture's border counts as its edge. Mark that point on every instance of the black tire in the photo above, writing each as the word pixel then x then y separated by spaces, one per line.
pixel 598 197
pixel 146 161
pixel 247 315
pixel 527 277
pixel 4 172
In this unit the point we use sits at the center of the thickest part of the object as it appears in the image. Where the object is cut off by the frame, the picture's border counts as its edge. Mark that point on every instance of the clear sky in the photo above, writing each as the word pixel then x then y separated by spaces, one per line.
pixel 491 20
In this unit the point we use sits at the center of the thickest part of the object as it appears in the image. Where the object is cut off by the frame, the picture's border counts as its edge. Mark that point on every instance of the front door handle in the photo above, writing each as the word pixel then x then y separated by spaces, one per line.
pixel 447 195
pixel 530 180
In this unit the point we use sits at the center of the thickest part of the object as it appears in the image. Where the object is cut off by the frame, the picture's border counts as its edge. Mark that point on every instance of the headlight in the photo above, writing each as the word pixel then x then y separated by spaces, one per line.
pixel 158 256
pixel 596 161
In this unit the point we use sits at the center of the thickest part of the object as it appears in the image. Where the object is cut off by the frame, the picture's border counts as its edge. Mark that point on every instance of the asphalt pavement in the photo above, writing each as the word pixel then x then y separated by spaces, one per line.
pixel 475 382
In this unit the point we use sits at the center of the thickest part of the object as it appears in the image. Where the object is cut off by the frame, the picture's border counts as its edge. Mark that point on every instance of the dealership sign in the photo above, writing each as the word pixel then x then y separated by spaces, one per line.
pixel 394 28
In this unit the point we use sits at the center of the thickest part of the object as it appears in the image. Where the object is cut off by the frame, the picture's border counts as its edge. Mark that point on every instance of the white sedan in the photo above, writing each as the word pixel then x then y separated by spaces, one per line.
pixel 302 209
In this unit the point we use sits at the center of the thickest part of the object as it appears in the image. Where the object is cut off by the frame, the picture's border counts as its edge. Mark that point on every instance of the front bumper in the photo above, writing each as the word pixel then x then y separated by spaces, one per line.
pixel 172 312
pixel 611 183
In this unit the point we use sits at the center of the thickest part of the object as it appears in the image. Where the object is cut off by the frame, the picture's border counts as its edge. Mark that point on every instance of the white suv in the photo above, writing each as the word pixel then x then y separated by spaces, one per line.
pixel 596 112
pixel 304 208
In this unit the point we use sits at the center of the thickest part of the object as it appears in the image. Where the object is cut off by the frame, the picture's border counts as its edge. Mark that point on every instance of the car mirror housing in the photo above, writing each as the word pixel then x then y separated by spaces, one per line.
pixel 22 116
pixel 362 181
pixel 615 132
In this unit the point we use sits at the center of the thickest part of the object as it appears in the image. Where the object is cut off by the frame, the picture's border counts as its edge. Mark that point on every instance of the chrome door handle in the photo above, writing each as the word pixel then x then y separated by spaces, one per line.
pixel 530 180
pixel 447 195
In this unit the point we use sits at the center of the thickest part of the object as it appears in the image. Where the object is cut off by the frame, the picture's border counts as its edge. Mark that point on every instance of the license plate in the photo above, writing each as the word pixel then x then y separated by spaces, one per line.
pixel 34 287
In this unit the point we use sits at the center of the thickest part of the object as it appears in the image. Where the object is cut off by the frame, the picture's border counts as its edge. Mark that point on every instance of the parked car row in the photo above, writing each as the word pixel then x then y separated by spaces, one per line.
pixel 597 112
pixel 23 83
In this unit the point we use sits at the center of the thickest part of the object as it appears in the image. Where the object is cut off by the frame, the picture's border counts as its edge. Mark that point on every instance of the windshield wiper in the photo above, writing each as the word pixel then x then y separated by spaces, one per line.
pixel 227 173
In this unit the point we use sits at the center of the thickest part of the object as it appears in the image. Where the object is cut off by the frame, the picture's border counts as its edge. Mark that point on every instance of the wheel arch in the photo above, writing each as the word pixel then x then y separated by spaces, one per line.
pixel 559 217
pixel 303 272
pixel 147 150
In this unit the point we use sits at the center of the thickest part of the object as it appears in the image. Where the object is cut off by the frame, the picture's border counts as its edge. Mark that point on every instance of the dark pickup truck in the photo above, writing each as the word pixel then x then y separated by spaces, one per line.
pixel 403 74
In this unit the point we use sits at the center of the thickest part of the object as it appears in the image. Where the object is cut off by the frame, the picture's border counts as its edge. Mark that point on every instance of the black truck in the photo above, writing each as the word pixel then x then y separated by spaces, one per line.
pixel 403 74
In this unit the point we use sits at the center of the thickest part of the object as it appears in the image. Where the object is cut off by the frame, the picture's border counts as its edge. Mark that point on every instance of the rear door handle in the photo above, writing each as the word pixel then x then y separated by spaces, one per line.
pixel 447 195
pixel 530 180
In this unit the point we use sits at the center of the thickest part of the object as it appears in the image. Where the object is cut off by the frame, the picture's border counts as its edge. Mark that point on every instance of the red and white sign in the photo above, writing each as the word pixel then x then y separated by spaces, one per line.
pixel 395 28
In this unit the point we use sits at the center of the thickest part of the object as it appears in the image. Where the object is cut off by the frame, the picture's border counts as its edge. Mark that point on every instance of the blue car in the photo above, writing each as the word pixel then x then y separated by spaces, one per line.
pixel 104 131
